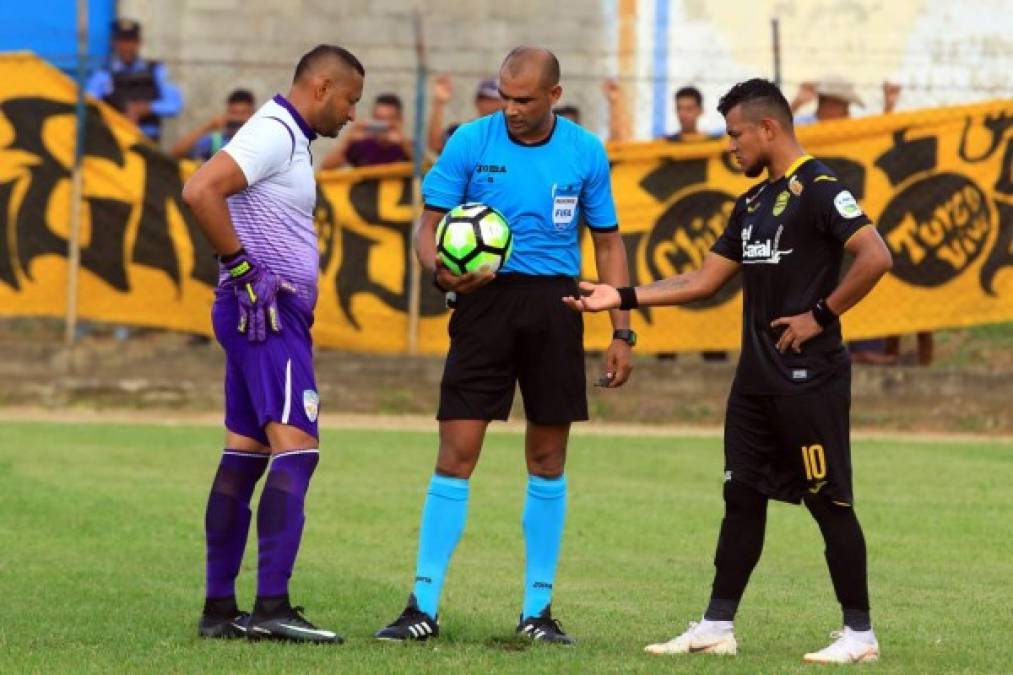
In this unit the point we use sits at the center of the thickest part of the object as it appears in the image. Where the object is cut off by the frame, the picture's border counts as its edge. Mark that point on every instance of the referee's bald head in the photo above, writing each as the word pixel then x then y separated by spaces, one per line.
pixel 326 56
pixel 521 58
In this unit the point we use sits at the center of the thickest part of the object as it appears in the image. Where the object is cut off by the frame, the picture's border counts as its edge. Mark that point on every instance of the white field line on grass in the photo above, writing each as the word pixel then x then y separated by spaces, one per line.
pixel 424 423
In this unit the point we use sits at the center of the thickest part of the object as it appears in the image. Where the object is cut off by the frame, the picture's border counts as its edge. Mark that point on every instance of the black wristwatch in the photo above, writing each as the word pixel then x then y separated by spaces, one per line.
pixel 626 335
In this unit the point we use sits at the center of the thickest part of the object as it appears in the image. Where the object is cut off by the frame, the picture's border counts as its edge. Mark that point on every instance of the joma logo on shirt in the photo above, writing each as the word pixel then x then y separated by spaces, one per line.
pixel 765 251
pixel 490 168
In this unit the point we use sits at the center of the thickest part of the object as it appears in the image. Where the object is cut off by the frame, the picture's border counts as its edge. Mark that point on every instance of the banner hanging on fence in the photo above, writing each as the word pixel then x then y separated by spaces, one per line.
pixel 938 183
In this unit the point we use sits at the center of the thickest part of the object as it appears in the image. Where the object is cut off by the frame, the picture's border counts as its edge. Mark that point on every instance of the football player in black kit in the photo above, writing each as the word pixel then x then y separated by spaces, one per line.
pixel 786 426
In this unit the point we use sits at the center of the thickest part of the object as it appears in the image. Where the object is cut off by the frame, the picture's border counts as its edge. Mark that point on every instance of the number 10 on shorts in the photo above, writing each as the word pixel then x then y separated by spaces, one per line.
pixel 815 461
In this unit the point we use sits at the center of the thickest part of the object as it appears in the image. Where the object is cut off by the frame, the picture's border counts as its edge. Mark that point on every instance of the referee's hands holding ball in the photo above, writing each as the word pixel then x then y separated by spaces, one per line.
pixel 459 283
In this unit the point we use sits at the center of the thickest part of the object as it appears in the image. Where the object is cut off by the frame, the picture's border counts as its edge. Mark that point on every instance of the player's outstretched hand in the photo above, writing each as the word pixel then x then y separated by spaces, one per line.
pixel 799 328
pixel 257 290
pixel 460 283
pixel 595 298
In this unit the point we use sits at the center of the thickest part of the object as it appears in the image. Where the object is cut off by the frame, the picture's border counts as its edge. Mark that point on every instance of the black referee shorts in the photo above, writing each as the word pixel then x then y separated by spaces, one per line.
pixel 513 330
pixel 786 447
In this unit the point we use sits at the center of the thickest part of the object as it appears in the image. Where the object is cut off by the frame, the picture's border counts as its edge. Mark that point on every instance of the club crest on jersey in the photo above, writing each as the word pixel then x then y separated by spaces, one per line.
pixel 766 251
pixel 781 203
pixel 311 404
pixel 795 186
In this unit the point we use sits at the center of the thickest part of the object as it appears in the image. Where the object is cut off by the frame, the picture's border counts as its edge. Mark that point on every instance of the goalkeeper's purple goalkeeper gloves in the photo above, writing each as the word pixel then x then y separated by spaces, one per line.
pixel 257 291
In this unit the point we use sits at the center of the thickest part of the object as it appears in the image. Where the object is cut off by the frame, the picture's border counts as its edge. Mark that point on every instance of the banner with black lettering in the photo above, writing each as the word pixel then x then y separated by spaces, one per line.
pixel 938 183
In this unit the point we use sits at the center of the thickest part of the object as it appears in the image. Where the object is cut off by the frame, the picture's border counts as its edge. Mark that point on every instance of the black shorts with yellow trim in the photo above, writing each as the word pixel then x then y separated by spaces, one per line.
pixel 790 446
pixel 516 330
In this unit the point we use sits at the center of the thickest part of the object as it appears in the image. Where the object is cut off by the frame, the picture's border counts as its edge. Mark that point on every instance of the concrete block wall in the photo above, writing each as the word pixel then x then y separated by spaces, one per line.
pixel 213 46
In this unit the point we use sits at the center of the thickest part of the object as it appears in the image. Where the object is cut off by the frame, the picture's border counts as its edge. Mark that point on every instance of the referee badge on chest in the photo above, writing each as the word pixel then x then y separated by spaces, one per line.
pixel 564 205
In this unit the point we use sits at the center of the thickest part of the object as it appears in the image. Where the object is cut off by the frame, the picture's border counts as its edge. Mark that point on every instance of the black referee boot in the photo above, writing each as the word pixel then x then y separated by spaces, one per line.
pixel 543 628
pixel 413 624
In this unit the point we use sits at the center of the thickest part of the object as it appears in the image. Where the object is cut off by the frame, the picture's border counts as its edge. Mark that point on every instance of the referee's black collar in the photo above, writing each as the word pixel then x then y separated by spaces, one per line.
pixel 555 123
pixel 303 126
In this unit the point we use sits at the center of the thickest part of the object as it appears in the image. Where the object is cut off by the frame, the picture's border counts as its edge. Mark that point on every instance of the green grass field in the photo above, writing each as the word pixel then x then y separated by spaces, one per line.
pixel 101 556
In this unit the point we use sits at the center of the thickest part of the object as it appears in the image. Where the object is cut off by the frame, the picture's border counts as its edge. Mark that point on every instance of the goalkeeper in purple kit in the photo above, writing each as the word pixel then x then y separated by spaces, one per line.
pixel 254 201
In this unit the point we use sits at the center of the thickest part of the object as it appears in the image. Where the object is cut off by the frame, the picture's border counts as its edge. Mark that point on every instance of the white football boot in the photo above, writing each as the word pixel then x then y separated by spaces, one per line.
pixel 849 646
pixel 705 637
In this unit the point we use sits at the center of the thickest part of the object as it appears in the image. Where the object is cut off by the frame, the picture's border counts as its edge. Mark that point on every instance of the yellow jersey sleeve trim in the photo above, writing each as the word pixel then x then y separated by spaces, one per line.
pixel 819 178
pixel 848 241
pixel 796 164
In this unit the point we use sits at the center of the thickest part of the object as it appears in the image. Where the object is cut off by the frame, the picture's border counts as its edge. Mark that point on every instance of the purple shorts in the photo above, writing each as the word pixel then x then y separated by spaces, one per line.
pixel 270 381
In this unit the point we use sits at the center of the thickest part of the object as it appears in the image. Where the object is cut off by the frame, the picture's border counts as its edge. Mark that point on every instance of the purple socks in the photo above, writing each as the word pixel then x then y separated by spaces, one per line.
pixel 280 519
pixel 227 520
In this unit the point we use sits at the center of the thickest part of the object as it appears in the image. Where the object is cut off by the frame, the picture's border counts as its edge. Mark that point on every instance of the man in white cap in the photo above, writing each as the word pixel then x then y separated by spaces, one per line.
pixel 834 97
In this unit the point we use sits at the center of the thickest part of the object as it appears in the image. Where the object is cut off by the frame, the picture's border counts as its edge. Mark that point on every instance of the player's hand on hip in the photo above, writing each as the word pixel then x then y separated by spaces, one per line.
pixel 257 289
pixel 618 364
pixel 460 283
pixel 798 329
pixel 595 298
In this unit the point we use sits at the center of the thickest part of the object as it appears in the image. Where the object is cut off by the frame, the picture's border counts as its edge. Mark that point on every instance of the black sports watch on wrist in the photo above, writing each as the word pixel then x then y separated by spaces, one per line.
pixel 626 335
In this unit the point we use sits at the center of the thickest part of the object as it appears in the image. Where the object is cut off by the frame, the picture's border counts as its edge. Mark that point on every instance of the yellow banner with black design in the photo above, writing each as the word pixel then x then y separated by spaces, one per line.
pixel 938 183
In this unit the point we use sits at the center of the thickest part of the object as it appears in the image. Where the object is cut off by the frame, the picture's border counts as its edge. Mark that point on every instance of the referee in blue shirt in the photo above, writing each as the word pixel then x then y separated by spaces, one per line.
pixel 546 175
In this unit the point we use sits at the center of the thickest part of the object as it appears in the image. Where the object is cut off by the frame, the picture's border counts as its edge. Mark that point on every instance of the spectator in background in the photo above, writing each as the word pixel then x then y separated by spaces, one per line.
pixel 620 128
pixel 570 112
pixel 487 102
pixel 138 88
pixel 378 140
pixel 688 109
pixel 834 97
pixel 203 142
pixel 891 94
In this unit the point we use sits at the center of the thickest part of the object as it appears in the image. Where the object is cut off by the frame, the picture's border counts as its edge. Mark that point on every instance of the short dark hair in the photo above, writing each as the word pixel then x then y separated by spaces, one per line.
pixel 758 93
pixel 690 92
pixel 240 96
pixel 390 99
pixel 311 58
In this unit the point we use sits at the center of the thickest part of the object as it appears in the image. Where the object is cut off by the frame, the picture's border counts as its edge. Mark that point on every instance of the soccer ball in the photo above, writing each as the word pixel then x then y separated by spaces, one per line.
pixel 473 238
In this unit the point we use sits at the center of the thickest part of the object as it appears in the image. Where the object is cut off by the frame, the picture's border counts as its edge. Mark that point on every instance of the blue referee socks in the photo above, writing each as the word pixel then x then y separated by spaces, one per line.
pixel 544 515
pixel 443 518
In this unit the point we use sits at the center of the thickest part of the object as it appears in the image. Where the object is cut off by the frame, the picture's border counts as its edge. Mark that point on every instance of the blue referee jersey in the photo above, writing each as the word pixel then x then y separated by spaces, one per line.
pixel 544 190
